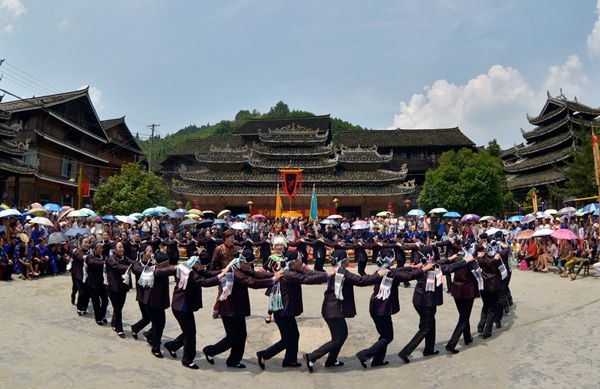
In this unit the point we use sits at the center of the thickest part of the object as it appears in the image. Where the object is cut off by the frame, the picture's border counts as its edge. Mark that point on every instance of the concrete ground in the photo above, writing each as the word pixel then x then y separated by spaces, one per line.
pixel 550 339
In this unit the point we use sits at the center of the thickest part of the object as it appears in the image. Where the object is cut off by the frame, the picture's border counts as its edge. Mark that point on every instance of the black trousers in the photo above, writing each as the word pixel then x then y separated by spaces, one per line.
pixel 488 311
pixel 377 351
pixel 117 300
pixel 449 281
pixel 362 265
pixel 235 339
pixel 99 302
pixel 83 295
pixel 463 327
pixel 339 332
pixel 426 331
pixel 144 321
pixel 187 338
pixel 319 262
pixel 290 336
pixel 158 320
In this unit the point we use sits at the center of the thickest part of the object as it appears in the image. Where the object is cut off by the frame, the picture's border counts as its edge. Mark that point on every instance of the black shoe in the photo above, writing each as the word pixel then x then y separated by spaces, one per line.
pixel 80 313
pixel 192 366
pixel 480 329
pixel 291 364
pixel 157 354
pixel 334 364
pixel 452 350
pixel 363 362
pixel 506 310
pixel 498 324
pixel 104 321
pixel 377 364
pixel 468 341
pixel 237 365
pixel 148 339
pixel 485 336
pixel 209 359
pixel 406 284
pixel 403 357
pixel 133 333
pixel 100 322
pixel 172 353
pixel 121 335
pixel 261 363
pixel 309 364
pixel 428 353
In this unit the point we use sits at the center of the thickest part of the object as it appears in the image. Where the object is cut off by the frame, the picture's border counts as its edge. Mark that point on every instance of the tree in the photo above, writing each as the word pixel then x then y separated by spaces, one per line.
pixel 280 110
pixel 579 171
pixel 132 190
pixel 493 148
pixel 466 181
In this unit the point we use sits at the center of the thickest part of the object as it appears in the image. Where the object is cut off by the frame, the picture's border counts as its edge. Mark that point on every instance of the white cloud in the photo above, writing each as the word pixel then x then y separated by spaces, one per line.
pixel 593 40
pixel 14 7
pixel 64 24
pixel 10 10
pixel 95 95
pixel 489 105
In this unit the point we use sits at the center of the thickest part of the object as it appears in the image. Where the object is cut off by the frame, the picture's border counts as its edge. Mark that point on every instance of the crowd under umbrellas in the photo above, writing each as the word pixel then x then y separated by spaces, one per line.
pixel 146 237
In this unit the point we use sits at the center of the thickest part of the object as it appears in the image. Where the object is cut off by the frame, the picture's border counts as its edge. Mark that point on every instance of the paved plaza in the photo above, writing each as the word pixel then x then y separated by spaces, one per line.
pixel 550 339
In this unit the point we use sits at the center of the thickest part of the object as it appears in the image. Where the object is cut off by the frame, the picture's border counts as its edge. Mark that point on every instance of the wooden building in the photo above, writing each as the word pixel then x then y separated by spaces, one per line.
pixel 66 134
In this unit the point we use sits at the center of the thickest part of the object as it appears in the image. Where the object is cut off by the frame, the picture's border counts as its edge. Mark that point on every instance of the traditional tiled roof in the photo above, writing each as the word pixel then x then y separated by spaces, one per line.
pixel 131 144
pixel 42 101
pixel 443 137
pixel 315 151
pixel 262 190
pixel 562 104
pixel 190 147
pixel 545 144
pixel 351 177
pixel 252 126
pixel 541 131
pixel 223 154
pixel 296 163
pixel 15 166
pixel 16 149
pixel 293 135
pixel 361 154
pixel 541 160
pixel 510 151
pixel 7 131
pixel 535 179
pixel 70 146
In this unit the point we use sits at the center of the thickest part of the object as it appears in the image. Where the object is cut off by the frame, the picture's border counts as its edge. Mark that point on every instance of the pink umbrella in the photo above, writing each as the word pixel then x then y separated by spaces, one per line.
pixel 469 217
pixel 65 207
pixel 564 234
pixel 359 222
pixel 259 217
pixel 35 205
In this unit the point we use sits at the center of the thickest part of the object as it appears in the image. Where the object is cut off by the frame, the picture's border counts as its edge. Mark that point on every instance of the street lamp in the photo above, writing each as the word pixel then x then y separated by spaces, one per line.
pixel 250 203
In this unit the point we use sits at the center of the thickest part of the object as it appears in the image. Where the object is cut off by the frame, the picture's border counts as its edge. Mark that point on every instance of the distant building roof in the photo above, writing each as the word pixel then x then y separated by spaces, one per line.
pixel 252 126
pixel 451 137
pixel 192 146
pixel 131 143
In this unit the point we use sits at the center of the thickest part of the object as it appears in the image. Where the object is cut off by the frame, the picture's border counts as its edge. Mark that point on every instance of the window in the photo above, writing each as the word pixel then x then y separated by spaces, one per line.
pixel 30 158
pixel 69 167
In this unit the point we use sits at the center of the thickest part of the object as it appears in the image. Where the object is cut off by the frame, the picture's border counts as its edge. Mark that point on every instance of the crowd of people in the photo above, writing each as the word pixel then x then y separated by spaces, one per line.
pixel 107 259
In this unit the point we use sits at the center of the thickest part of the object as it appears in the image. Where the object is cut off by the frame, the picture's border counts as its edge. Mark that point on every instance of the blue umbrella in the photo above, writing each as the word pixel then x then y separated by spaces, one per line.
pixel 182 211
pixel 416 212
pixel 74 231
pixel 242 216
pixel 590 208
pixel 329 222
pixel 452 214
pixel 88 212
pixel 219 221
pixel 109 218
pixel 52 207
pixel 150 212
pixel 597 212
pixel 162 209
pixel 516 218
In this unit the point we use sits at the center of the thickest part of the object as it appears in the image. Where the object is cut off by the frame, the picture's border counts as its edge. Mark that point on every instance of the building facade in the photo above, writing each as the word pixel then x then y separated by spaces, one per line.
pixel 65 139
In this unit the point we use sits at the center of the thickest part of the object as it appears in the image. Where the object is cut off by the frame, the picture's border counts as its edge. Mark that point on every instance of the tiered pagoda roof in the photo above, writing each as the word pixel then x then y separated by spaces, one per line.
pixel 11 151
pixel 414 138
pixel 551 143
pixel 294 143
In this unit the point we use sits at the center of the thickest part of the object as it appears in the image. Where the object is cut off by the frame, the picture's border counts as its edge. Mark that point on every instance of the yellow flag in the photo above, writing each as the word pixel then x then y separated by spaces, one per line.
pixel 278 205
pixel 534 201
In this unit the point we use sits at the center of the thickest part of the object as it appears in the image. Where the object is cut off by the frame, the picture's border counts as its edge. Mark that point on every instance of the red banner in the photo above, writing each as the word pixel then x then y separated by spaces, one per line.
pixel 292 182
pixel 85 188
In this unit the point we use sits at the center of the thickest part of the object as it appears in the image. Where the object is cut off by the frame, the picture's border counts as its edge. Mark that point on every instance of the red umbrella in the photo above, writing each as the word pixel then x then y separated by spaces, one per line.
pixel 259 217
pixel 564 234
pixel 525 234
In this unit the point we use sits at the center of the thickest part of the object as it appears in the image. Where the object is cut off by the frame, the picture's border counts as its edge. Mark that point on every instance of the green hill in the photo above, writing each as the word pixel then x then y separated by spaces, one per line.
pixel 168 143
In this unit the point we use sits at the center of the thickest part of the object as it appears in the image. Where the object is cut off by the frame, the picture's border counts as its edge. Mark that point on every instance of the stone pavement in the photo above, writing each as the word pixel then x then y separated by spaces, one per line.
pixel 550 339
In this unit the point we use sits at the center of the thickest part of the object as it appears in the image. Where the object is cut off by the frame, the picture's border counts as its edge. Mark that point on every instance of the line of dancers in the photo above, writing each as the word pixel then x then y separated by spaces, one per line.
pixel 480 267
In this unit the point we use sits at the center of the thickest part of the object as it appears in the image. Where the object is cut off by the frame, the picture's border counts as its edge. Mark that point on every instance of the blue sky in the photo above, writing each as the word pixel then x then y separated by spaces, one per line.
pixel 481 65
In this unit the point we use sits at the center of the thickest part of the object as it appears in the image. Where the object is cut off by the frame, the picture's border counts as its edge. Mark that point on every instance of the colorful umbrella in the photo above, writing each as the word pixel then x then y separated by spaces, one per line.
pixel 65 208
pixel 9 213
pixel 542 232
pixel 219 221
pixel 240 226
pixel 487 219
pixel 38 211
pixel 181 211
pixel 224 213
pixel 109 218
pixel 162 209
pixel 383 214
pixel 88 212
pixel 515 218
pixel 438 210
pixel 525 234
pixel 590 208
pixel 416 213
pixel 35 205
pixel 452 214
pixel 150 212
pixel 41 221
pixel 136 216
pixel 528 218
pixel 196 212
pixel 174 215
pixel 259 217
pixel 564 234
pixel 566 210
pixel 125 219
pixel 51 207
pixel 192 216
pixel 469 217
pixel 334 217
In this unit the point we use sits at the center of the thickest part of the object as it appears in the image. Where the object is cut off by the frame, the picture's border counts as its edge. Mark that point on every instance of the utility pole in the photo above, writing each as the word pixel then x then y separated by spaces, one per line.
pixel 151 126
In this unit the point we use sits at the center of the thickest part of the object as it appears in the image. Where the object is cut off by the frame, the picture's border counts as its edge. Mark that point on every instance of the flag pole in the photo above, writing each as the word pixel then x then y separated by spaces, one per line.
pixel 596 160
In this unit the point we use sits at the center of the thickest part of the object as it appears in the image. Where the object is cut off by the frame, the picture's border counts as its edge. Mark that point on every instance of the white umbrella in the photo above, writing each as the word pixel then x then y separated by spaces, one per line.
pixel 41 221
pixel 542 232
pixel 10 213
pixel 77 214
pixel 383 214
pixel 333 217
pixel 487 219
pixel 551 211
pixel 528 218
pixel 224 213
pixel 240 226
pixel 566 210
pixel 125 219
pixel 438 210
pixel 492 231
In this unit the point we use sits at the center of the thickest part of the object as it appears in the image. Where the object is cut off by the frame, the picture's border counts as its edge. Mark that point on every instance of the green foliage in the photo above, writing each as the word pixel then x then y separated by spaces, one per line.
pixel 130 191
pixel 493 148
pixel 467 182
pixel 579 171
pixel 169 143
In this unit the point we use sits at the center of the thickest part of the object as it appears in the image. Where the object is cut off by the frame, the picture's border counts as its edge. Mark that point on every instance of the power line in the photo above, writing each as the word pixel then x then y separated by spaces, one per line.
pixel 152 126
